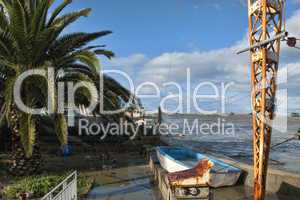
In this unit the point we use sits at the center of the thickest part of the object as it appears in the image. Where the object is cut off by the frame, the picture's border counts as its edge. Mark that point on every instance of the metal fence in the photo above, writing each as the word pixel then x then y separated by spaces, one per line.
pixel 66 190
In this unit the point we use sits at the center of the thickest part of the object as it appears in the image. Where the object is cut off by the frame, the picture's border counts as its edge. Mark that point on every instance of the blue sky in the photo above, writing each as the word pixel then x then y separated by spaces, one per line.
pixel 157 26
pixel 152 39
pixel 153 27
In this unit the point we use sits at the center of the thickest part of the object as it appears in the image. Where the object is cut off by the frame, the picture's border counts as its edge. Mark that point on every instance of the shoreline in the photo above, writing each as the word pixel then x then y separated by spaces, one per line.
pixel 131 177
pixel 237 192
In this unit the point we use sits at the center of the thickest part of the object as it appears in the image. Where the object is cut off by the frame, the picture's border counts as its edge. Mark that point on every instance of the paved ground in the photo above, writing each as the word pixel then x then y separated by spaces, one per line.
pixel 127 183
pixel 135 183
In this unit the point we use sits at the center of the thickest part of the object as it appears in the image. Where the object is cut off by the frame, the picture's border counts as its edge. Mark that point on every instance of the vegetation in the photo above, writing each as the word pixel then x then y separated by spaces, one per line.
pixel 41 185
pixel 31 38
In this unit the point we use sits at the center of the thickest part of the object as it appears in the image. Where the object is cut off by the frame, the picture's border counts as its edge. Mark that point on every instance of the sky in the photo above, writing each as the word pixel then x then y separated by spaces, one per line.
pixel 157 41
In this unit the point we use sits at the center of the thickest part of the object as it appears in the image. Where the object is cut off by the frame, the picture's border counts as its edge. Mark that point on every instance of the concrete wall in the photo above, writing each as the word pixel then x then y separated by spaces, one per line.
pixel 279 182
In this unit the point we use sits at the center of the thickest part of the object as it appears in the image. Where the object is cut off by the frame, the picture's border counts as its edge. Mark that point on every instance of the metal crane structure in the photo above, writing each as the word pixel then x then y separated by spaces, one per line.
pixel 266 30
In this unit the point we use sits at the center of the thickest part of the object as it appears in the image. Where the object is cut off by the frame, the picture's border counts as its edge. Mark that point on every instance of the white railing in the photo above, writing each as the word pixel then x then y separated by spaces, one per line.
pixel 66 190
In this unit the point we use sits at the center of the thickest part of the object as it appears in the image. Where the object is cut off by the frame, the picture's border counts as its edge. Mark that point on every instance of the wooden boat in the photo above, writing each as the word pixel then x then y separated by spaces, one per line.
pixel 197 176
pixel 177 160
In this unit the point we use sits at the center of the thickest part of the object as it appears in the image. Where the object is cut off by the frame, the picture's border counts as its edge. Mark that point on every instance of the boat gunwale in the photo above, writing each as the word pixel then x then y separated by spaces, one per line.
pixel 234 170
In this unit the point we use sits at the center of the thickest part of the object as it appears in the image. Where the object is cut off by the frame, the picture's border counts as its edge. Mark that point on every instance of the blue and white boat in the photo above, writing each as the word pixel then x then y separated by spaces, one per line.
pixel 176 159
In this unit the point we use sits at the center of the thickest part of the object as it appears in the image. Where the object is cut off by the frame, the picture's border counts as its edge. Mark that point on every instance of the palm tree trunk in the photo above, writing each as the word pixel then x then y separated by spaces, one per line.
pixel 22 165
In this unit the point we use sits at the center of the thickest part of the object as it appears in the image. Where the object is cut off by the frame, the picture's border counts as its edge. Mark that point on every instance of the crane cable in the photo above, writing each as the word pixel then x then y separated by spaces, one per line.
pixel 295 137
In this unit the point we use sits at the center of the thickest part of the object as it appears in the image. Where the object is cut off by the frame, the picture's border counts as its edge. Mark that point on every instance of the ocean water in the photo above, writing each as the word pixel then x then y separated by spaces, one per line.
pixel 231 137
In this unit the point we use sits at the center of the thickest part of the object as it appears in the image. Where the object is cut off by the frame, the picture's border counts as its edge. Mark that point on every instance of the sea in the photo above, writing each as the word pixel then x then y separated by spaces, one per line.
pixel 230 136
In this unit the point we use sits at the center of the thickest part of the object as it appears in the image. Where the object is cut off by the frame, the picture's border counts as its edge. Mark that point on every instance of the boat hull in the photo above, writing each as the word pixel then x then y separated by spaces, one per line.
pixel 172 159
pixel 197 176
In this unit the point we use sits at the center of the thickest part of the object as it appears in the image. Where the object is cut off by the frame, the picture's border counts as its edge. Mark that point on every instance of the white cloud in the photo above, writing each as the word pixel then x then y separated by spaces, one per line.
pixel 130 61
pixel 127 64
pixel 216 65
pixel 220 64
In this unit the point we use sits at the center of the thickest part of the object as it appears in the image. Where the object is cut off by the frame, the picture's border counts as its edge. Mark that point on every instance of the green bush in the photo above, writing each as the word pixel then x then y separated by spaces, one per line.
pixel 84 185
pixel 37 185
pixel 40 185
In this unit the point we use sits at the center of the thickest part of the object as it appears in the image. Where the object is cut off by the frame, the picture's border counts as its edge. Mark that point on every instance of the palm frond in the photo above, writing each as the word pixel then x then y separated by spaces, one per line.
pixel 6 45
pixel 31 4
pixel 113 85
pixel 71 42
pixel 90 59
pixel 18 25
pixel 57 11
pixel 85 57
pixel 39 17
pixel 108 54
pixel 41 44
pixel 6 4
pixel 62 22
pixel 4 23
pixel 75 76
pixel 79 68
pixel 6 63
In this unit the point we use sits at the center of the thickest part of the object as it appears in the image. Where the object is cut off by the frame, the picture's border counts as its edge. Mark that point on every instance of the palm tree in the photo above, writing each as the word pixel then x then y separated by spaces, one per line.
pixel 31 38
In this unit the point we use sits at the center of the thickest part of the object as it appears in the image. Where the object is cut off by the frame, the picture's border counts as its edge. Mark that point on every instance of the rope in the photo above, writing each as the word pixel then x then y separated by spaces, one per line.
pixel 295 137
pixel 285 141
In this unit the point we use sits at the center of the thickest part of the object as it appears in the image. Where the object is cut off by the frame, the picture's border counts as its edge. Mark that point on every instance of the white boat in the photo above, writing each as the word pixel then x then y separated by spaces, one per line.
pixel 177 159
